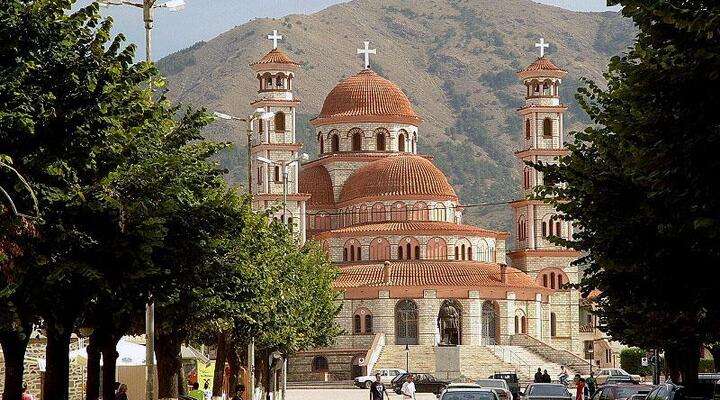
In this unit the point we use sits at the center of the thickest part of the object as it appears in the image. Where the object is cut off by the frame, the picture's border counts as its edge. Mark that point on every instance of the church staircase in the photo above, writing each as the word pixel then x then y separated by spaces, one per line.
pixel 572 362
pixel 527 362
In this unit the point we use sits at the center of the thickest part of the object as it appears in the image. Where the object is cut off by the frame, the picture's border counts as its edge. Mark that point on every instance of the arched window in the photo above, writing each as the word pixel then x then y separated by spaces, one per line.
pixel 440 212
pixel 457 253
pixel 261 129
pixel 398 211
pixel 379 249
pixel 356 135
pixel 407 247
pixel 553 324
pixel 483 253
pixel 558 229
pixel 378 212
pixel 368 323
pixel 362 321
pixel 552 280
pixel 420 212
pixel 322 144
pixel 414 143
pixel 527 129
pixel 417 252
pixel 400 254
pixel 268 81
pixel 461 249
pixel 547 88
pixel 545 282
pixel 352 250
pixel 280 121
pixel 523 324
pixel 401 141
pixel 544 229
pixel 380 139
pixel 357 324
pixel 517 324
pixel 364 214
pixel 469 253
pixel 320 364
pixel 335 143
pixel 526 178
pixel 406 322
pixel 436 249
pixel 560 281
pixel 547 128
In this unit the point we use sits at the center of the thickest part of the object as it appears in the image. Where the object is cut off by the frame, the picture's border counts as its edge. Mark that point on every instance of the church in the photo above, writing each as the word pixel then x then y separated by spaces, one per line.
pixel 419 288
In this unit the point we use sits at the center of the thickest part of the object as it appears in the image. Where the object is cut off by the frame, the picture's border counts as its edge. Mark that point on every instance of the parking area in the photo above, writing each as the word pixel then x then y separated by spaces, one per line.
pixel 343 394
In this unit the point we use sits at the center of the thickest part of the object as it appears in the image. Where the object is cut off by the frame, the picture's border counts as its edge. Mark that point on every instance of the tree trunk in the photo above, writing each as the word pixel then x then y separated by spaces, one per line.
pixel 92 381
pixel 219 375
pixel 167 351
pixel 55 382
pixel 182 382
pixel 109 368
pixel 234 364
pixel 715 351
pixel 14 344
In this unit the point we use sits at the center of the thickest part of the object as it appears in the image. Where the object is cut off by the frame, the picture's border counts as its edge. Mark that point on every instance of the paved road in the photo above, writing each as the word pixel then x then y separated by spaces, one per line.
pixel 342 394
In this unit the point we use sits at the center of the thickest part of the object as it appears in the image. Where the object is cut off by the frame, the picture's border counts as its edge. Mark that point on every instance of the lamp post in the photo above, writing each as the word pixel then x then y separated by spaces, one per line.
pixel 407 357
pixel 148 7
pixel 284 165
pixel 259 114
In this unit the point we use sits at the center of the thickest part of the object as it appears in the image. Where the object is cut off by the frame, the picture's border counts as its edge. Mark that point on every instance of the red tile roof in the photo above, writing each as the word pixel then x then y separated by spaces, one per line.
pixel 428 273
pixel 316 181
pixel 415 227
pixel 366 97
pixel 275 56
pixel 398 175
pixel 543 64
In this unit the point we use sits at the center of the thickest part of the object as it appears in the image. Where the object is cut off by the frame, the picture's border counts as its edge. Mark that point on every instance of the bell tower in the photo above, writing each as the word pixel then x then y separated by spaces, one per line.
pixel 275 153
pixel 543 140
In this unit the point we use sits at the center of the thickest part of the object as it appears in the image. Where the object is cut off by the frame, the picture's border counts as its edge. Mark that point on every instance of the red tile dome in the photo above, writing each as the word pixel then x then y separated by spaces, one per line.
pixel 396 177
pixel 273 58
pixel 366 97
pixel 316 181
pixel 542 67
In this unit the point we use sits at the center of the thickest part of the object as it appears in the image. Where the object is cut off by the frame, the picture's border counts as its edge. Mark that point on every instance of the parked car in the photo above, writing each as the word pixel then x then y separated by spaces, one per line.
pixel 616 375
pixel 667 391
pixel 716 390
pixel 545 391
pixel 512 380
pixel 499 385
pixel 639 396
pixel 613 391
pixel 386 376
pixel 424 383
pixel 467 391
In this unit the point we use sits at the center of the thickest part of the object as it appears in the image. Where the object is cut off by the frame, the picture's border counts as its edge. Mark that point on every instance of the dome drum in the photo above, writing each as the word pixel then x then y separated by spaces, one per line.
pixel 367 137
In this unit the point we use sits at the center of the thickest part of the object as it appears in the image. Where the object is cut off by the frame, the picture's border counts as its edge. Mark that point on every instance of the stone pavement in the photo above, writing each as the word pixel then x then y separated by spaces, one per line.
pixel 343 394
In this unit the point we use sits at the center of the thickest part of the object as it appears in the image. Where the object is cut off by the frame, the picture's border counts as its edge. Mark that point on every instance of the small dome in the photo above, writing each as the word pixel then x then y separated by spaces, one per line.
pixel 397 176
pixel 542 67
pixel 366 97
pixel 315 180
pixel 275 56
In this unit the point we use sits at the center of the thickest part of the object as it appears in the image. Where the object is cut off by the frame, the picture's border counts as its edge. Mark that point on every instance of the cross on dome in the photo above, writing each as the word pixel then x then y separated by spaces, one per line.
pixel 275 37
pixel 542 45
pixel 367 51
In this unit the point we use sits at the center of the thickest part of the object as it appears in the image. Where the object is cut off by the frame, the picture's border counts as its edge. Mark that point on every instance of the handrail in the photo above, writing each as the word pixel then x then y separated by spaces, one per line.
pixel 373 354
pixel 520 361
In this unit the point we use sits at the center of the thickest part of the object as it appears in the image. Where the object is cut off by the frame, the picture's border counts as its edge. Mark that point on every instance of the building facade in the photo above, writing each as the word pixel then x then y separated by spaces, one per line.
pixel 418 287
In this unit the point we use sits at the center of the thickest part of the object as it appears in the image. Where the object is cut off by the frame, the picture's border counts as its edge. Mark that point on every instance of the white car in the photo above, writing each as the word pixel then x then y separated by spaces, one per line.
pixel 607 375
pixel 467 391
pixel 499 385
pixel 386 375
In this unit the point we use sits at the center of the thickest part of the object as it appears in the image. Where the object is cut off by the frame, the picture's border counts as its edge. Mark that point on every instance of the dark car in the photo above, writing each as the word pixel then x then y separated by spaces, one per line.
pixel 512 380
pixel 615 391
pixel 545 391
pixel 424 383
pixel 667 391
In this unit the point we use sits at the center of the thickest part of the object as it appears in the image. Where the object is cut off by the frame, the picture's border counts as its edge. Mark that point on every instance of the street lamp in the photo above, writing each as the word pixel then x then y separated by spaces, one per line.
pixel 407 357
pixel 259 114
pixel 284 165
pixel 148 7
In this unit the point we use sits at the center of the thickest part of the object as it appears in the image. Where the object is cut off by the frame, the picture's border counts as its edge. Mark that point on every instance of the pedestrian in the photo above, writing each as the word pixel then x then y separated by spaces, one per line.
pixel 206 390
pixel 580 388
pixel 590 381
pixel 122 393
pixel 25 394
pixel 239 390
pixel 116 386
pixel 546 377
pixel 538 376
pixel 196 393
pixel 408 388
pixel 378 390
pixel 563 376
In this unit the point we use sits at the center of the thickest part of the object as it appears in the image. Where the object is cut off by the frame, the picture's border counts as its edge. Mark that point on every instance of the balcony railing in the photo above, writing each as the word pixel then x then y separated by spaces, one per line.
pixel 587 328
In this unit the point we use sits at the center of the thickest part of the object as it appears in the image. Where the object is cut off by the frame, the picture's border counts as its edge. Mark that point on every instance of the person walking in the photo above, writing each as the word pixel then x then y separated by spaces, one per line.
pixel 408 388
pixel 590 381
pixel 538 376
pixel 563 376
pixel 378 390
pixel 122 392
pixel 580 388
pixel 546 377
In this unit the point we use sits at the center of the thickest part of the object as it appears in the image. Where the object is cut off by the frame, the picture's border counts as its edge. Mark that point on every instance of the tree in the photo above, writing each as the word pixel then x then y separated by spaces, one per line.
pixel 641 184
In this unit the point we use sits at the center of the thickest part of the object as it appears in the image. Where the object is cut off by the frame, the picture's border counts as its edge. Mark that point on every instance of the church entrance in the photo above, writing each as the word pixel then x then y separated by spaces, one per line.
pixel 406 322
pixel 489 323
pixel 449 323
pixel 357 369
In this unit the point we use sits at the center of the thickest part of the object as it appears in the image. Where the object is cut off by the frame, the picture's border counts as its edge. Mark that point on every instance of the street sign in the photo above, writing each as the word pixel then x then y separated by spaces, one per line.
pixel 644 362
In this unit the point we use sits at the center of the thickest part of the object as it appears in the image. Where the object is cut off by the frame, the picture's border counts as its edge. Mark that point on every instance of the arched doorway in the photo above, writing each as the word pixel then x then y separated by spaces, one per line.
pixel 450 323
pixel 357 368
pixel 489 323
pixel 406 322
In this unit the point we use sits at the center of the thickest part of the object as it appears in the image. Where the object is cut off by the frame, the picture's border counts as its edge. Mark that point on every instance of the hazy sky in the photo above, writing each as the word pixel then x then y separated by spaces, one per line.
pixel 205 19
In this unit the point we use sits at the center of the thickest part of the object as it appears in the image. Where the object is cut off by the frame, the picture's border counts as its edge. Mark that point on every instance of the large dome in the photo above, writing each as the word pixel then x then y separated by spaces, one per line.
pixel 366 97
pixel 397 177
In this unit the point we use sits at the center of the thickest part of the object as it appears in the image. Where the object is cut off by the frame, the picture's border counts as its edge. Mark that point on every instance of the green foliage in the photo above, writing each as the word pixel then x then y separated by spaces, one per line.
pixel 706 365
pixel 641 182
pixel 631 361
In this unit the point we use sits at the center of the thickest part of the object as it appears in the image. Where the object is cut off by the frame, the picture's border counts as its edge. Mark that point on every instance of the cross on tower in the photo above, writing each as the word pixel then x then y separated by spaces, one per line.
pixel 275 37
pixel 542 45
pixel 367 51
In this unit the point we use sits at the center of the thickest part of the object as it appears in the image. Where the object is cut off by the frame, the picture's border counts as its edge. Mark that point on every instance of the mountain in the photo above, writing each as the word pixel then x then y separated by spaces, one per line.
pixel 455 59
